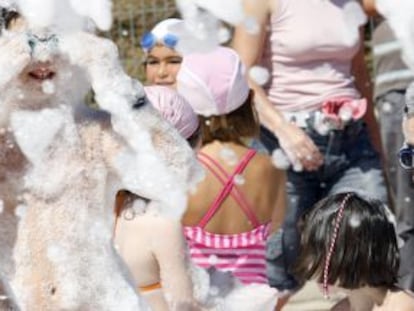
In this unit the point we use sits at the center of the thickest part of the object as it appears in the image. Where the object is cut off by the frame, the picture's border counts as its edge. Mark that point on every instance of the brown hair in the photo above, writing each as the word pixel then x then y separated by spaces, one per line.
pixel 7 16
pixel 124 199
pixel 195 138
pixel 231 127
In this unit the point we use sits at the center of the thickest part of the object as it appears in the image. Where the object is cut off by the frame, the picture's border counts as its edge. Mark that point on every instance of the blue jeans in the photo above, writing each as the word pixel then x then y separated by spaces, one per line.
pixel 350 164
pixel 390 107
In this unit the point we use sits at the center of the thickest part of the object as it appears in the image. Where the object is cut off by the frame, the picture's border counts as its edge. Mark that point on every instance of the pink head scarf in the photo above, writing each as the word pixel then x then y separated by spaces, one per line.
pixel 214 83
pixel 174 108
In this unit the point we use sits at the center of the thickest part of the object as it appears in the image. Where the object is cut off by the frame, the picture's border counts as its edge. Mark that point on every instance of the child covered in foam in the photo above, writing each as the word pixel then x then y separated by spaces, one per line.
pixel 61 164
pixel 153 246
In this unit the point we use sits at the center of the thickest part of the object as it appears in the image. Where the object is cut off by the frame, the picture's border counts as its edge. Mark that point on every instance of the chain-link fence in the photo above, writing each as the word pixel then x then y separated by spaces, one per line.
pixel 131 19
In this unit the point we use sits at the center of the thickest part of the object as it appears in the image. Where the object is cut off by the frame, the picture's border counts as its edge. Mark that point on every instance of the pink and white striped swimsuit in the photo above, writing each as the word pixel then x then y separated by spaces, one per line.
pixel 243 254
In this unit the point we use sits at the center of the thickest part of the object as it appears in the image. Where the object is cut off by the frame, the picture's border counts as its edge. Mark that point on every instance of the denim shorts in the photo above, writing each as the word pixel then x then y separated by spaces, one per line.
pixel 350 164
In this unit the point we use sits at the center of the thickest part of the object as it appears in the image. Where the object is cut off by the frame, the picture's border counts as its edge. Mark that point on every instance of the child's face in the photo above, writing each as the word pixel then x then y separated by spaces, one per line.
pixel 162 65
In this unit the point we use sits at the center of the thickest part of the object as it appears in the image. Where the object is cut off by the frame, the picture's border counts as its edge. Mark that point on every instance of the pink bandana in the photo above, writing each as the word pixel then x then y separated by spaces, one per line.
pixel 174 108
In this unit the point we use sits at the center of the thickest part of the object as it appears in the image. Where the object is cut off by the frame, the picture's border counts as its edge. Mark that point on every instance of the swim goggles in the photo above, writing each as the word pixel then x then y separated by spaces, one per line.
pixel 149 40
pixel 406 157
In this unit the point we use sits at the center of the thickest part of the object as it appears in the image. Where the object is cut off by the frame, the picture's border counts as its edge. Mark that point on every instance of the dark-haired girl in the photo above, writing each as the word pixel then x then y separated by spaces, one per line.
pixel 348 241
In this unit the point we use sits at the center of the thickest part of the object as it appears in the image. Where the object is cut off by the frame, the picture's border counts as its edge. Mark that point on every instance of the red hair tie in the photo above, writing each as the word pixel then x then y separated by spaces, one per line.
pixel 338 219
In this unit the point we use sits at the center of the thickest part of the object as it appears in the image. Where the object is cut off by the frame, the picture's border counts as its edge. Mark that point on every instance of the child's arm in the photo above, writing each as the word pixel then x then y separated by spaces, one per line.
pixel 369 7
pixel 154 161
pixel 408 123
pixel 171 254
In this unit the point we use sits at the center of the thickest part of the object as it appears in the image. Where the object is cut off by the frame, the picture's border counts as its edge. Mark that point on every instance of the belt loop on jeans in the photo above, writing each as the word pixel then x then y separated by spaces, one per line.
pixel 331 115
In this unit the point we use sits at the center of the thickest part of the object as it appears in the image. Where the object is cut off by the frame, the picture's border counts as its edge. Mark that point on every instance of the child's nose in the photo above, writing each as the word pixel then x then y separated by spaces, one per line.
pixel 162 70
pixel 43 45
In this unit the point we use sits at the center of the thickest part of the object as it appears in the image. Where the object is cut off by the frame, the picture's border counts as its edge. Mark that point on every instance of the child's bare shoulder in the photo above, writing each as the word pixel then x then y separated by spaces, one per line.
pixel 264 161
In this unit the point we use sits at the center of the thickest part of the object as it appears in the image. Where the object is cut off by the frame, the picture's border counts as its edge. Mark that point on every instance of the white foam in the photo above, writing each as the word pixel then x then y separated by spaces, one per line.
pixel 48 87
pixel 280 159
pixel 202 30
pixel 259 74
pixel 228 155
pixel 67 15
pixel 251 25
pixel 400 15
pixel 354 18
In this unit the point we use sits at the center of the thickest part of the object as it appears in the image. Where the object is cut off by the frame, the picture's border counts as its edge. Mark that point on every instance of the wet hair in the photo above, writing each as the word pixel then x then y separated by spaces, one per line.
pixel 365 251
pixel 6 17
pixel 231 127
pixel 195 138
pixel 124 199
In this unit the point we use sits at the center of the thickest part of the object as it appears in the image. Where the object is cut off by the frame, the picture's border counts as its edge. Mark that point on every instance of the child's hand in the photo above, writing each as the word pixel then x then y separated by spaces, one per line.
pixel 85 49
pixel 408 130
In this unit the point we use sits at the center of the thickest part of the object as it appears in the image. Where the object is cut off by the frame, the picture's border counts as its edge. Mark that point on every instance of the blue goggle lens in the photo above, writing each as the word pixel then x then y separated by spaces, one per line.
pixel 170 40
pixel 405 156
pixel 148 41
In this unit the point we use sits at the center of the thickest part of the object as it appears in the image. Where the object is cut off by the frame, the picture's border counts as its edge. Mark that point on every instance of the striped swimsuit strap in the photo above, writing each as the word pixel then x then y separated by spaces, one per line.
pixel 228 186
pixel 216 169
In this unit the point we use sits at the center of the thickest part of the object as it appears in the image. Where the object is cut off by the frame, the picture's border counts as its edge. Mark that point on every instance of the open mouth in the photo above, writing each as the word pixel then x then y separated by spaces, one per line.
pixel 42 73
